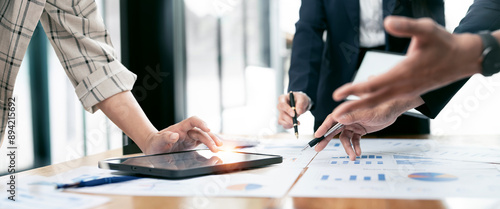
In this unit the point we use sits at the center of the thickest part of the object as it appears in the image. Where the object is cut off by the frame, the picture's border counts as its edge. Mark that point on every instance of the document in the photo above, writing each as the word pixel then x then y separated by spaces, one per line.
pixel 37 191
pixel 262 182
pixel 408 169
pixel 398 183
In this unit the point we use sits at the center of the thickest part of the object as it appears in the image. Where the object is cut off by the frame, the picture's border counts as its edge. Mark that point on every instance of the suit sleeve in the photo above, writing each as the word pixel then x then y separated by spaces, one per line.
pixel 482 15
pixel 307 48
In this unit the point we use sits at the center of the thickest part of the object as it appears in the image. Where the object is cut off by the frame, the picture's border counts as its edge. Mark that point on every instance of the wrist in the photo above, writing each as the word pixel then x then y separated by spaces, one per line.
pixel 144 143
pixel 473 46
pixel 400 106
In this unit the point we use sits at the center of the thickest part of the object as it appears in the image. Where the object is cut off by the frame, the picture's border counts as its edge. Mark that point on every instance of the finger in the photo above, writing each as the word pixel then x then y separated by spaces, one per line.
pixel 325 126
pixel 356 143
pixel 214 160
pixel 193 122
pixel 345 90
pixel 286 121
pixel 167 138
pixel 322 144
pixel 345 139
pixel 398 76
pixel 367 102
pixel 301 104
pixel 408 27
pixel 357 129
pixel 200 136
pixel 284 105
pixel 216 139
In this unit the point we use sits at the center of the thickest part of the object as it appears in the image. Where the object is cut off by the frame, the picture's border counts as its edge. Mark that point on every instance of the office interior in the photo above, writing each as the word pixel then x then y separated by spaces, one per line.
pixel 225 61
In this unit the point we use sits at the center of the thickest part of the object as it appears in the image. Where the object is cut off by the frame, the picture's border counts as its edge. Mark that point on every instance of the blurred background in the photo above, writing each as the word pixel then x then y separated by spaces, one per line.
pixel 234 65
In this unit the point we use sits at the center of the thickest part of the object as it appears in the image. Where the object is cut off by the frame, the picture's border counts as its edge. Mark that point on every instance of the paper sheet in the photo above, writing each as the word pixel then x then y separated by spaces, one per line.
pixel 410 169
pixel 37 192
pixel 430 149
pixel 262 182
pixel 418 183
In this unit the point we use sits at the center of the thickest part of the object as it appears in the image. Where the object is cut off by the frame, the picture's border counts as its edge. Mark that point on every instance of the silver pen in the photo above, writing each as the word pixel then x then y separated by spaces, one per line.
pixel 315 141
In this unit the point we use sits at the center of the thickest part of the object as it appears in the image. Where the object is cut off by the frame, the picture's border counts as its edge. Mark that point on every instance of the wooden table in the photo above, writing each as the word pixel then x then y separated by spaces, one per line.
pixel 124 202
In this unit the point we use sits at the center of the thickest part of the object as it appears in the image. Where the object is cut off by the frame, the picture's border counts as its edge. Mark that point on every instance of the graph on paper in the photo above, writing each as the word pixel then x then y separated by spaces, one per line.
pixel 376 177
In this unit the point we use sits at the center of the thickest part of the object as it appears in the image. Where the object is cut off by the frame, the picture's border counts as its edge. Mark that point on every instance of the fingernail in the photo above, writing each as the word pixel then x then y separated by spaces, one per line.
pixel 173 136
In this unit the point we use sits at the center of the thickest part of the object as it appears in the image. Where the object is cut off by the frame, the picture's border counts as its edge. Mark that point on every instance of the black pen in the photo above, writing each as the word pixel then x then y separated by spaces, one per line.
pixel 315 141
pixel 295 124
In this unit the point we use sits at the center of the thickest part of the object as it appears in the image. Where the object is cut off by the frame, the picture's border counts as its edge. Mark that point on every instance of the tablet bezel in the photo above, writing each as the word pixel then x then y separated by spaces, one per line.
pixel 192 172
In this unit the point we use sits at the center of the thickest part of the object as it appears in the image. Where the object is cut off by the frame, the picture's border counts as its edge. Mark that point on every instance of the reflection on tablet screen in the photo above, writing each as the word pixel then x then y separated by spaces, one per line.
pixel 189 160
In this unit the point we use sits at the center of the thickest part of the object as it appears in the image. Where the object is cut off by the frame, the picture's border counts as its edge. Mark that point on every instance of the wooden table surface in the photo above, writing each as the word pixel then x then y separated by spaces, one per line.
pixel 124 201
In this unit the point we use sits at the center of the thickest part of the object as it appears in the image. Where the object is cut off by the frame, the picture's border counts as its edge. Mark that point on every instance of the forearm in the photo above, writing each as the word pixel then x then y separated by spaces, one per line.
pixel 125 112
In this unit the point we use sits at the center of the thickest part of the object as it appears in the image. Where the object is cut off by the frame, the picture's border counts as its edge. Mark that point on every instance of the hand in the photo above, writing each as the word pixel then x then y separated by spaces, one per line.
pixel 184 135
pixel 302 102
pixel 362 122
pixel 435 58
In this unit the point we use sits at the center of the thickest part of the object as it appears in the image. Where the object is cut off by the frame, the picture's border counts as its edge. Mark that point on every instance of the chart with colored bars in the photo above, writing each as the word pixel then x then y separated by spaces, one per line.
pixel 377 177
pixel 367 160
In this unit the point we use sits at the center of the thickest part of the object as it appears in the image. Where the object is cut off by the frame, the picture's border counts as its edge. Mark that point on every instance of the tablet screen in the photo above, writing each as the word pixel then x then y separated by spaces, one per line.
pixel 189 160
pixel 190 163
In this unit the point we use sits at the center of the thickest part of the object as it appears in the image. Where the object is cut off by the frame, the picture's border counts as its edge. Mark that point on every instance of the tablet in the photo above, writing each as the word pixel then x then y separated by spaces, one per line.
pixel 376 63
pixel 190 163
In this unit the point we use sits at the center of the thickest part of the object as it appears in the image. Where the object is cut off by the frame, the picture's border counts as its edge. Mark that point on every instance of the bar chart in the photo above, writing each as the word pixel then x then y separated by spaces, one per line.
pixel 360 160
pixel 353 177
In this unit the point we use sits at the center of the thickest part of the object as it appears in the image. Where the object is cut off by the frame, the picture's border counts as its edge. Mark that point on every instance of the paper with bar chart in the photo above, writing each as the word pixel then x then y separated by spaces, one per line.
pixel 398 183
pixel 386 172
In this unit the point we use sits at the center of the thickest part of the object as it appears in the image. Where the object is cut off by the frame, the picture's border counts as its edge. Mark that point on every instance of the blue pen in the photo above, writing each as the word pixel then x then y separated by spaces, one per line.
pixel 97 182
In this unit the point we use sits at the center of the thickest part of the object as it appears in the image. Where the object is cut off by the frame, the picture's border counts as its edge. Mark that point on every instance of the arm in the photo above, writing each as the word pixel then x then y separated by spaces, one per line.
pixel 126 113
pixel 435 58
pixel 82 44
pixel 306 60
pixel 473 22
pixel 482 15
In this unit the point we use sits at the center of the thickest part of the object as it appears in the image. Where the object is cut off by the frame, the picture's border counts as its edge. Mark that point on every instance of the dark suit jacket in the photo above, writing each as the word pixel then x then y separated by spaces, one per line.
pixel 482 15
pixel 318 68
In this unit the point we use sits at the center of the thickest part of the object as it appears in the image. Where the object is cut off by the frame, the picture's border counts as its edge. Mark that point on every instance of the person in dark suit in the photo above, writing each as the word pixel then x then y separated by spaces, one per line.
pixel 353 27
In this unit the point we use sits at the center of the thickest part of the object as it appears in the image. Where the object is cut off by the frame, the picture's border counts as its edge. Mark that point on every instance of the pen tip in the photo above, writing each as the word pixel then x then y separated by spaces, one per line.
pixel 297 135
pixel 305 148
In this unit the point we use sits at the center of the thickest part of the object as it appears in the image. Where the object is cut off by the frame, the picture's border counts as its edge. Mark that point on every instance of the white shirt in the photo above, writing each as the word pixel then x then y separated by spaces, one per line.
pixel 371 25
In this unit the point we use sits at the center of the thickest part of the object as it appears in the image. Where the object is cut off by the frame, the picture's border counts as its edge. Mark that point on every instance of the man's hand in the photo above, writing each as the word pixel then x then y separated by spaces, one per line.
pixel 184 135
pixel 361 122
pixel 435 58
pixel 302 102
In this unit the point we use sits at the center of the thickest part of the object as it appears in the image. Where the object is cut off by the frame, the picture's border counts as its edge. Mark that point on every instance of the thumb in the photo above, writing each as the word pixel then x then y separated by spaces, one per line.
pixel 302 105
pixel 408 27
pixel 170 137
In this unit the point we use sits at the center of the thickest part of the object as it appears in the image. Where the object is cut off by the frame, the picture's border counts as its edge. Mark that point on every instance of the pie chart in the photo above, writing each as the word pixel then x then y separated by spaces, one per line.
pixel 244 187
pixel 432 176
